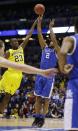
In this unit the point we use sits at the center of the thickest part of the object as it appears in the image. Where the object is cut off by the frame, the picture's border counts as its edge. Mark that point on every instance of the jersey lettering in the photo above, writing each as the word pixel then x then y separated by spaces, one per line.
pixel 18 58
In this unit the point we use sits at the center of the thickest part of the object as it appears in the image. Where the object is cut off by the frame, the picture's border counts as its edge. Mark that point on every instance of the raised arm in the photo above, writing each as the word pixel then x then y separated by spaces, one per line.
pixel 40 36
pixel 25 42
pixel 53 37
pixel 27 68
pixel 61 52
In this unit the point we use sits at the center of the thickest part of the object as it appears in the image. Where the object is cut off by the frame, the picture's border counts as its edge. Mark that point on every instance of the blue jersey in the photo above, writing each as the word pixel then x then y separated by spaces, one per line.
pixel 48 58
pixel 43 85
pixel 72 58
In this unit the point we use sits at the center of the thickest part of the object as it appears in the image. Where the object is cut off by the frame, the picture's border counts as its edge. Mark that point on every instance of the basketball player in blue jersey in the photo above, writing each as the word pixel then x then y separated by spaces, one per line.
pixel 43 86
pixel 68 55
pixel 21 67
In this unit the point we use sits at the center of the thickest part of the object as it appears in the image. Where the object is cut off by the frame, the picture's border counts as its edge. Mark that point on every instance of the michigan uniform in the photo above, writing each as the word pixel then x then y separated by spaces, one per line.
pixel 11 79
pixel 71 103
pixel 44 86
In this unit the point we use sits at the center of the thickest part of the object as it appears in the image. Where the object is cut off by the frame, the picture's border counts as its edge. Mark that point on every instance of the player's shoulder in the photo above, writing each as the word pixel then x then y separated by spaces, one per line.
pixel 69 38
pixel 20 48
pixel 10 50
pixel 44 48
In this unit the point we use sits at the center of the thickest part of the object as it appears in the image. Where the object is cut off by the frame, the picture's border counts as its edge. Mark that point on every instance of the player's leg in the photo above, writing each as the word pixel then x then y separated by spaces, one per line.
pixel 46 94
pixel 68 122
pixel 6 98
pixel 44 111
pixel 45 106
pixel 71 106
pixel 9 84
pixel 4 102
pixel 38 102
pixel 38 107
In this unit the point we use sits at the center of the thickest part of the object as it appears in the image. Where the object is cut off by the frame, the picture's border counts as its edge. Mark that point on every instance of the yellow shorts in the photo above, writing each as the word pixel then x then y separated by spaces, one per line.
pixel 10 82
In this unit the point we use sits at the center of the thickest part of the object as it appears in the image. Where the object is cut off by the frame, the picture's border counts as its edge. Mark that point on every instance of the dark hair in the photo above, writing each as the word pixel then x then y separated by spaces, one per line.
pixel 76 25
pixel 12 39
pixel 48 40
pixel 1 44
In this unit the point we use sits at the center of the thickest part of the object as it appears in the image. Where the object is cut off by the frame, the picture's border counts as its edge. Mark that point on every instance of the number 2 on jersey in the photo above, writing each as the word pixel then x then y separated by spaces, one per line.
pixel 47 55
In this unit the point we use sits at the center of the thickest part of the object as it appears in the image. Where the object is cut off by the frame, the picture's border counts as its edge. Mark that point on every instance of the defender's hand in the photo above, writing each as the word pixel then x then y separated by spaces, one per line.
pixel 68 68
pixel 51 24
pixel 50 72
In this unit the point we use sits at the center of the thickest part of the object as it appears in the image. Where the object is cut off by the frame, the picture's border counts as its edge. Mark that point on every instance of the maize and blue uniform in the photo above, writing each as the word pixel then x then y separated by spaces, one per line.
pixel 11 79
pixel 71 103
pixel 44 86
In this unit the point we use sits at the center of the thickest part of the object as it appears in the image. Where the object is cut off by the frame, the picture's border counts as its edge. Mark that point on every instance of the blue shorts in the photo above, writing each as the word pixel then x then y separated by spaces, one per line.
pixel 44 86
pixel 71 106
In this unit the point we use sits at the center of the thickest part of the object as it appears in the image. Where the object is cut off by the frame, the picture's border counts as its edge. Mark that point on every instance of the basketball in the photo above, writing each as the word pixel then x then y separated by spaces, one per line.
pixel 39 9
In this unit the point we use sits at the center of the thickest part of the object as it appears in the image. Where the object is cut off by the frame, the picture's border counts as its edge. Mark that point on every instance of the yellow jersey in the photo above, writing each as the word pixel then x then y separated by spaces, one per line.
pixel 16 56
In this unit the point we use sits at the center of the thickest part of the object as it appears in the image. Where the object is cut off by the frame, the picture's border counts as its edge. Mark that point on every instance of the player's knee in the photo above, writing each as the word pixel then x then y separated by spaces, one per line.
pixel 7 96
pixel 46 103
pixel 38 99
pixel 46 110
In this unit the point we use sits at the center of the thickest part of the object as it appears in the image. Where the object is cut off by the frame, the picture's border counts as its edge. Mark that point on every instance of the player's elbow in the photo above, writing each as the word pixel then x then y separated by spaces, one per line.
pixel 61 69
pixel 63 52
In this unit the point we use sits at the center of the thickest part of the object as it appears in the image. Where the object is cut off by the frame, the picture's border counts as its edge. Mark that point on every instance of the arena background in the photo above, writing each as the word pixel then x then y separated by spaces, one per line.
pixel 16 18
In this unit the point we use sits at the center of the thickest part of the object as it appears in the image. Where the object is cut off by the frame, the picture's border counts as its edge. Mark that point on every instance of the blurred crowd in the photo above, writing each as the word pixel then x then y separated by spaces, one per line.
pixel 15 20
pixel 21 104
pixel 25 12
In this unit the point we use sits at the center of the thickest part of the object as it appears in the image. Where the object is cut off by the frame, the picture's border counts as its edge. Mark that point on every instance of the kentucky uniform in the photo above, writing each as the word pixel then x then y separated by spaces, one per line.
pixel 71 104
pixel 44 86
pixel 11 79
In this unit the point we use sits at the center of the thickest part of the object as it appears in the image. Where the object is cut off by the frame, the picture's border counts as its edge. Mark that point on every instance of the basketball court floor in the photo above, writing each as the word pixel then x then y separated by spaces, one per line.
pixel 25 125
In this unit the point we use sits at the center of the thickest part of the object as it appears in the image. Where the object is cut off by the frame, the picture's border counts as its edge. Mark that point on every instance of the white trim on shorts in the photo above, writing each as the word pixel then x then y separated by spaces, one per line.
pixel 52 88
pixel 50 91
pixel 68 114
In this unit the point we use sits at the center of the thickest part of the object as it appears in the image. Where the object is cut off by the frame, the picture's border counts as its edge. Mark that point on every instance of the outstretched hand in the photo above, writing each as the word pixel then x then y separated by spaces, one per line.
pixel 50 72
pixel 39 19
pixel 51 24
pixel 68 68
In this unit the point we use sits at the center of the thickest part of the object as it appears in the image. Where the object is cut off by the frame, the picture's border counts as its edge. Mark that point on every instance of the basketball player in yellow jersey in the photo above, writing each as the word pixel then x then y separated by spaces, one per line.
pixel 11 79
pixel 19 67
